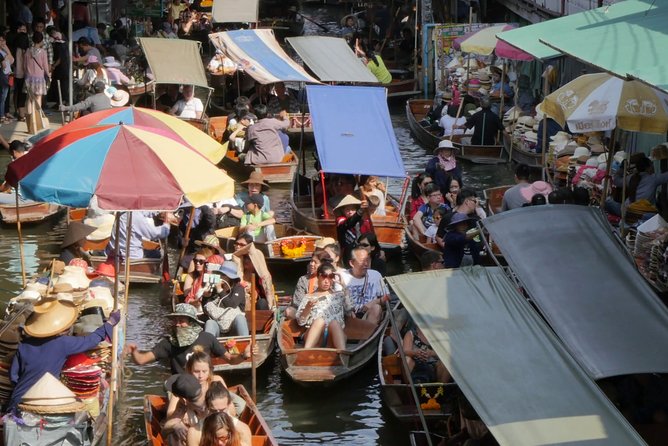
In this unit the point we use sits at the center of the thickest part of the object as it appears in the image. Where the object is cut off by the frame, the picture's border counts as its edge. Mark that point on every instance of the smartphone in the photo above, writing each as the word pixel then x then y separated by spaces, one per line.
pixel 318 298
pixel 212 279
pixel 212 267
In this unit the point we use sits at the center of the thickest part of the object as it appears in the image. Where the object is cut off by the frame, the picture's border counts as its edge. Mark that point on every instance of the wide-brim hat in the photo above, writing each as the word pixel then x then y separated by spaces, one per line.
pixel 211 241
pixel 50 396
pixel 75 276
pixel 103 224
pixel 537 187
pixel 50 317
pixel 256 178
pixel 117 97
pixel 348 200
pixel 111 62
pixel 581 152
pixel 619 156
pixel 323 242
pixel 28 296
pixel 458 218
pixel 484 78
pixel 185 310
pixel 76 232
pixel 229 269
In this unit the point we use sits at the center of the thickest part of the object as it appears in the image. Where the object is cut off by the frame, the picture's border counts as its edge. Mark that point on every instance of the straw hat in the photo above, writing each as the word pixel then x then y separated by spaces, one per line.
pixel 537 187
pixel 256 178
pixel 50 396
pixel 103 226
pixel 321 243
pixel 445 144
pixel 75 276
pixel 102 300
pixel 531 136
pixel 581 152
pixel 50 317
pixel 211 241
pixel 596 148
pixel 118 97
pixel 76 232
pixel 561 136
pixel 348 200
pixel 484 78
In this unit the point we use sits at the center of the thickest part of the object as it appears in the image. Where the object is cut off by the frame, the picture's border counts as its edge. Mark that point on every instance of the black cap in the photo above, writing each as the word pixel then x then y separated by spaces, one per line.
pixel 185 386
pixel 84 41
pixel 257 199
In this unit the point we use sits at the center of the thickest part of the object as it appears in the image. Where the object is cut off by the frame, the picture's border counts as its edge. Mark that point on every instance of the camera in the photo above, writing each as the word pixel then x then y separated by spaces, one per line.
pixel 211 279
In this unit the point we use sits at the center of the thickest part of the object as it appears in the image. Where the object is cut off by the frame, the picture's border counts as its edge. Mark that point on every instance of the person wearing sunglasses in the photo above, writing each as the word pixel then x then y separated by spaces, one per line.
pixel 219 429
pixel 306 283
pixel 323 312
pixel 418 197
pixel 189 409
pixel 193 281
pixel 365 286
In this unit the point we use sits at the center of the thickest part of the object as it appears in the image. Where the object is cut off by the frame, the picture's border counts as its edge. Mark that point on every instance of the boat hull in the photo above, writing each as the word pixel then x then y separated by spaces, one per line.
pixel 493 154
pixel 276 173
pixel 141 270
pixel 416 110
pixel 418 247
pixel 29 213
pixel 521 156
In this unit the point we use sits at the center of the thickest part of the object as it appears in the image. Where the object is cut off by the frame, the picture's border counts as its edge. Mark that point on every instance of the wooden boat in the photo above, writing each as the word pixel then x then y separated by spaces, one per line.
pixel 492 154
pixel 327 365
pixel 521 155
pixel 265 339
pixel 282 172
pixel 416 111
pixel 290 247
pixel 494 198
pixel 155 410
pixel 389 228
pixel 419 246
pixel 28 212
pixel 402 88
pixel 435 398
pixel 147 270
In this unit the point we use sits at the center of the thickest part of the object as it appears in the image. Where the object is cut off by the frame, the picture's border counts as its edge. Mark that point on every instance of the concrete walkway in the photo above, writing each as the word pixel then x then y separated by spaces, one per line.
pixel 19 130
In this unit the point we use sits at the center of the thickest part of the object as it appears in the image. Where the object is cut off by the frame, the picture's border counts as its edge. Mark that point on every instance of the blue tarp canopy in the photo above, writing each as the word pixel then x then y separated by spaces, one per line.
pixel 353 131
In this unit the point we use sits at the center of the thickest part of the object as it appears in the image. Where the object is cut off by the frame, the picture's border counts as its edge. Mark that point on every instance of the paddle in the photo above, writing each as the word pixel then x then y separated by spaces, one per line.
pixel 312 21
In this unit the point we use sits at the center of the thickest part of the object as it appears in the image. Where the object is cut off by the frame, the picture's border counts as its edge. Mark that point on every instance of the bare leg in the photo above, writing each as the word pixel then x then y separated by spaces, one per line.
pixel 442 374
pixel 290 313
pixel 314 333
pixel 338 336
pixel 374 313
pixel 407 347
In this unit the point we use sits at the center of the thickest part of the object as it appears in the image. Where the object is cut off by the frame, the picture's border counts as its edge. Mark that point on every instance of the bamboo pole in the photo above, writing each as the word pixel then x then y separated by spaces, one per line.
pixel 546 90
pixel 501 92
pixel 252 341
pixel 18 230
pixel 186 240
pixel 514 123
pixel 606 180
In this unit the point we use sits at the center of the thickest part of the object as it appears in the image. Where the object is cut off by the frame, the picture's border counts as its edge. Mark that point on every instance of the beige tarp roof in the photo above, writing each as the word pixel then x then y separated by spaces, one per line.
pixel 512 368
pixel 233 11
pixel 331 59
pixel 174 61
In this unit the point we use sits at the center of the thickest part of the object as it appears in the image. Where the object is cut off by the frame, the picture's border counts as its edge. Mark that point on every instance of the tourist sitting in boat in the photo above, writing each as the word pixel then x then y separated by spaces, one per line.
pixel 185 335
pixel 94 103
pixel 371 185
pixel 190 107
pixel 282 101
pixel 255 222
pixel 324 311
pixel 467 203
pixel 219 400
pixel 373 62
pixel 338 187
pixel 443 165
pixel 263 141
pixel 365 286
pixel 641 186
pixel 200 366
pixel 431 260
pixel 190 408
pixel 422 361
pixel 450 123
pixel 418 197
pixel 193 281
pixel 457 239
pixel 369 241
pixel 352 220
pixel 237 138
pixel 142 229
pixel 424 217
pixel 453 190
pixel 169 98
pixel 94 72
pixel 219 428
pixel 307 283
pixel 256 186
pixel 513 198
pixel 225 301
pixel 485 123
pixel 47 344
pixel 74 240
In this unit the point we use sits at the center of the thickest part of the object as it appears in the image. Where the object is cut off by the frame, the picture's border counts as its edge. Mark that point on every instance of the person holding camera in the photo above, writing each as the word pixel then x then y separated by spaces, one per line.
pixel 224 300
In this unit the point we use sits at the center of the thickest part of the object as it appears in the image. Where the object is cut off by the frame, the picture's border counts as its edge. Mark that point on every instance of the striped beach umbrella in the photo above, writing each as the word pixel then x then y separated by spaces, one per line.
pixel 601 102
pixel 484 42
pixel 125 167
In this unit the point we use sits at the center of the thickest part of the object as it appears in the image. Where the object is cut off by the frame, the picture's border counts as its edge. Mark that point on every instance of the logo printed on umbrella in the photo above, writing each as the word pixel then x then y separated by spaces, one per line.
pixel 646 108
pixel 568 99
pixel 597 107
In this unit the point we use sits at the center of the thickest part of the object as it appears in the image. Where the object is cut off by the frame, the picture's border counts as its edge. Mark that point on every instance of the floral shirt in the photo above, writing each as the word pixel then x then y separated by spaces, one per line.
pixel 333 307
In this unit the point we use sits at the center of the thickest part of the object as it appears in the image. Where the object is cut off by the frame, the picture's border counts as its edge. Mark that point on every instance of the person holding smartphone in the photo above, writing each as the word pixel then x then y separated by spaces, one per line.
pixel 225 301
pixel 323 312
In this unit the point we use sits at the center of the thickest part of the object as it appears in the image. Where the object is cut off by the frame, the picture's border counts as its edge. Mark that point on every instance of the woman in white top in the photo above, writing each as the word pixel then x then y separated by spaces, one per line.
pixel 189 107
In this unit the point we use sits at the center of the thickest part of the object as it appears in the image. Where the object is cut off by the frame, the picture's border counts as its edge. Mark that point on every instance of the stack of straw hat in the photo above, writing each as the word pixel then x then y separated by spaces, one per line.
pixel 50 396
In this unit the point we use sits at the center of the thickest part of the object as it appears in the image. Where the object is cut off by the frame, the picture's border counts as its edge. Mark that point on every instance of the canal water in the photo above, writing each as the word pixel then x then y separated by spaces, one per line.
pixel 350 413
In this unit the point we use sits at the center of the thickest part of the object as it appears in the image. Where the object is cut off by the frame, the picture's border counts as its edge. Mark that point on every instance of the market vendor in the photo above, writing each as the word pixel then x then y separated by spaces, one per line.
pixel 485 123
pixel 75 237
pixel 47 345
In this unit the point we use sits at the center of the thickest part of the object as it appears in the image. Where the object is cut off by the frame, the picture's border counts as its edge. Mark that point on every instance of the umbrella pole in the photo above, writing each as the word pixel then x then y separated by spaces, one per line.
pixel 606 181
pixel 622 229
pixel 501 92
pixel 18 230
pixel 514 122
pixel 324 194
pixel 252 340
pixel 546 90
pixel 186 240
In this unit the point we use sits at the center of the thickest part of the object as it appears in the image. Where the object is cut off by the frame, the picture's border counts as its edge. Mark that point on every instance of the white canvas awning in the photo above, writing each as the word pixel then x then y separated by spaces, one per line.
pixel 234 11
pixel 160 55
pixel 331 59
pixel 514 371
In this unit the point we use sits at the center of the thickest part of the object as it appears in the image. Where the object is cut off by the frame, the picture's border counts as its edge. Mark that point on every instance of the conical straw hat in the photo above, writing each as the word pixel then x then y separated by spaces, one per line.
pixel 49 391
pixel 51 317
pixel 348 200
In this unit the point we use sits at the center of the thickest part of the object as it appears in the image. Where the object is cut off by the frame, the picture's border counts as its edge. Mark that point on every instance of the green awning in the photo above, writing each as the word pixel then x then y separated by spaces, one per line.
pixel 573 28
pixel 628 39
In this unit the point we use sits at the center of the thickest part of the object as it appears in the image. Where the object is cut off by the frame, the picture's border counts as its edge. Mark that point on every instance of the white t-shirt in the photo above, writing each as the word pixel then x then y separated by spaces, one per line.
pixel 448 121
pixel 190 108
pixel 364 290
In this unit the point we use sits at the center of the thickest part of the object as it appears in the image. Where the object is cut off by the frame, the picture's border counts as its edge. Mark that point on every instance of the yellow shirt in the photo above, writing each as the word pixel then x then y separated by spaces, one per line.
pixel 379 70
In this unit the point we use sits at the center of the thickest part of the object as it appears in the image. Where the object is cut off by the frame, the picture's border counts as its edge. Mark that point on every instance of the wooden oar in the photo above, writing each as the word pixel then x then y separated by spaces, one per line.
pixel 186 240
pixel 18 230
pixel 252 344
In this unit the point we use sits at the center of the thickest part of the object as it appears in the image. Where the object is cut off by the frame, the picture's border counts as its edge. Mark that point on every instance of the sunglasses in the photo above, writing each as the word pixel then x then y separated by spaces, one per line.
pixel 427 183
pixel 199 261
pixel 328 276
pixel 240 244
pixel 364 245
